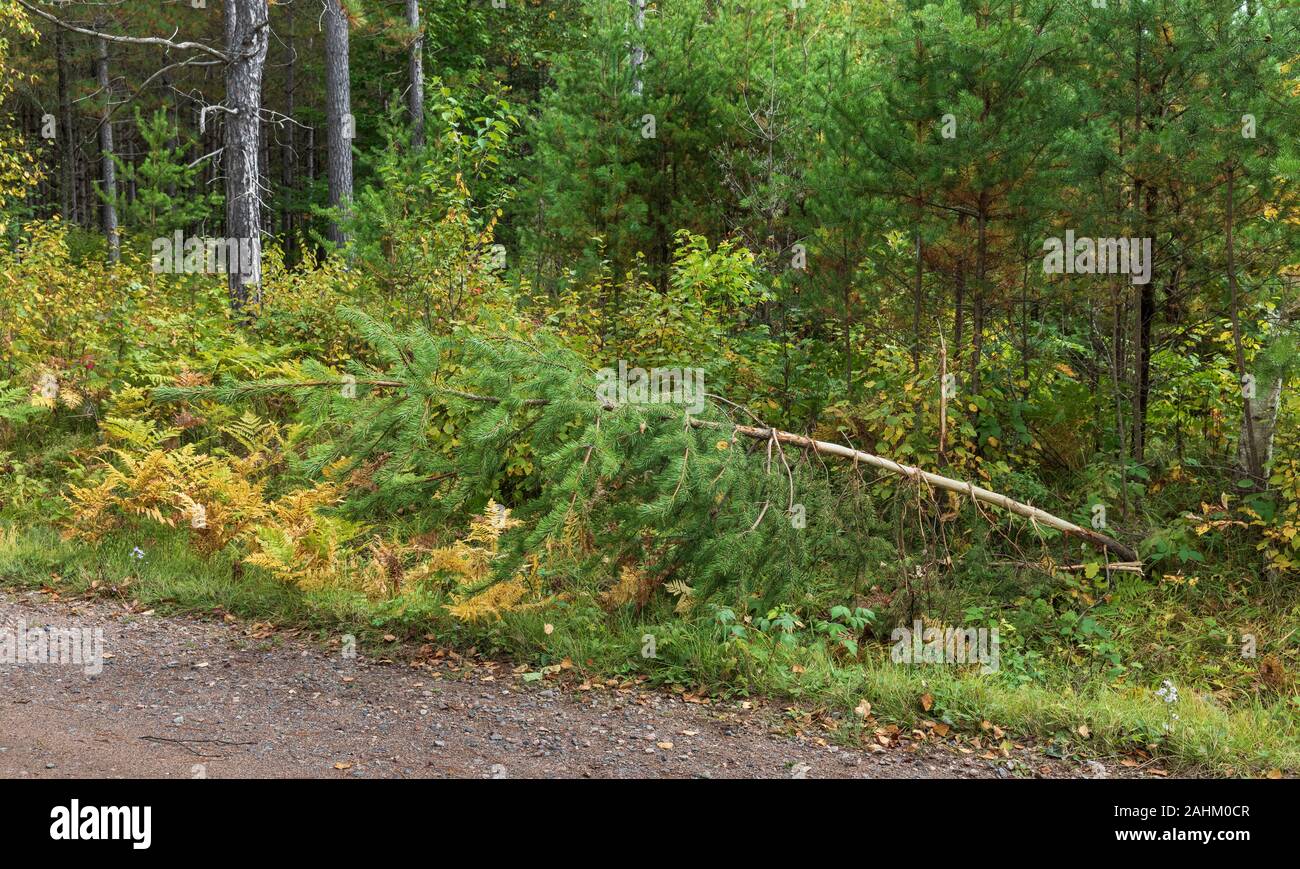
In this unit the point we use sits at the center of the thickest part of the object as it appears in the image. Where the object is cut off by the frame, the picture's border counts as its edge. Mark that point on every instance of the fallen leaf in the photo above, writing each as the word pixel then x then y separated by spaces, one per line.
pixel 664 745
pixel 1084 731
pixel 548 629
pixel 1275 773
pixel 863 709
pixel 927 702
pixel 341 765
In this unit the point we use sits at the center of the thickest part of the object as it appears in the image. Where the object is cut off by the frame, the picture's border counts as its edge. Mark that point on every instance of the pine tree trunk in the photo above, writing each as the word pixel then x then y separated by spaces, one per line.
pixel 1258 419
pixel 247 36
pixel 338 113
pixel 415 63
pixel 107 169
pixel 67 139
pixel 289 156
pixel 978 308
pixel 638 48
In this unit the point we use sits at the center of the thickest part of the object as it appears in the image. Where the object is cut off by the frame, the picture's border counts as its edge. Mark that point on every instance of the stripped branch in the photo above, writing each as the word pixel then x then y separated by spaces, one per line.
pixel 763 434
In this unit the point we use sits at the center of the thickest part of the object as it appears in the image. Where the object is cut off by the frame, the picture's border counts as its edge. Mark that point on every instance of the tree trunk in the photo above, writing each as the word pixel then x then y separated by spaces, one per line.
pixel 67 139
pixel 289 156
pixel 978 309
pixel 917 304
pixel 415 64
pixel 107 169
pixel 338 113
pixel 1250 457
pixel 1258 425
pixel 247 36
pixel 638 48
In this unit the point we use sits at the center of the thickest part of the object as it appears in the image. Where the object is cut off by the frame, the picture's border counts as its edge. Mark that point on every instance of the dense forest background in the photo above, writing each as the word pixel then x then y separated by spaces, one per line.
pixel 304 306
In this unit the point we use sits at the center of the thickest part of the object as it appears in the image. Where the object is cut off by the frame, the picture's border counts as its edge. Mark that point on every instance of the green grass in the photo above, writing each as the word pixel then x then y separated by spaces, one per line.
pixel 1249 739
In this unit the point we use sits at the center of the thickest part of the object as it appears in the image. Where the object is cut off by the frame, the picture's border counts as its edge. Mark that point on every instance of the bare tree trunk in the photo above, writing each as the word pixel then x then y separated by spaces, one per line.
pixel 107 169
pixel 247 36
pixel 978 309
pixel 638 48
pixel 917 302
pixel 338 113
pixel 289 157
pixel 1250 460
pixel 67 138
pixel 415 96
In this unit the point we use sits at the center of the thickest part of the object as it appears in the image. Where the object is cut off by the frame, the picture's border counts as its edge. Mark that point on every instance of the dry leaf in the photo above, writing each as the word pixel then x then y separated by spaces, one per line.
pixel 926 702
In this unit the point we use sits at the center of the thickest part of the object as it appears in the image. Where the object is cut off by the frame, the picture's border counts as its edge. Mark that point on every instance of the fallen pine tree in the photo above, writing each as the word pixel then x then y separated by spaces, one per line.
pixel 440 424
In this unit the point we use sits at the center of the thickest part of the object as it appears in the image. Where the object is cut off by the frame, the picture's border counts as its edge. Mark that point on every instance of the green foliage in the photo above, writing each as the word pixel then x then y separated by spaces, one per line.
pixel 166 195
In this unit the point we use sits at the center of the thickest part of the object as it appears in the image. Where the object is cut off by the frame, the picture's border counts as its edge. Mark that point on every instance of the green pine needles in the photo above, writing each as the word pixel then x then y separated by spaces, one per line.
pixel 438 425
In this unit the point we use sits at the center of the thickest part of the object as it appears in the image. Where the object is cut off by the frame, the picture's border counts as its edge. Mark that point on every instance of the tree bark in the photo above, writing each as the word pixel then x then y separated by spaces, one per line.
pixel 107 169
pixel 1258 425
pixel 415 65
pixel 977 493
pixel 338 112
pixel 67 138
pixel 1250 459
pixel 289 156
pixel 638 48
pixel 247 37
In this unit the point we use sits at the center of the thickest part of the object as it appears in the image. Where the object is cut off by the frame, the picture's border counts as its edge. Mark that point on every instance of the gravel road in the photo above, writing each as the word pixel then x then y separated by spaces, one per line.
pixel 181 697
